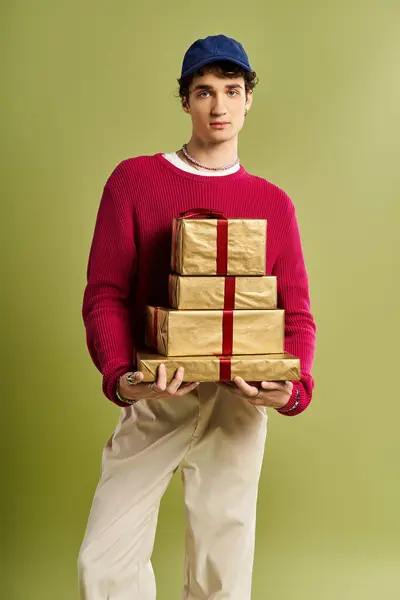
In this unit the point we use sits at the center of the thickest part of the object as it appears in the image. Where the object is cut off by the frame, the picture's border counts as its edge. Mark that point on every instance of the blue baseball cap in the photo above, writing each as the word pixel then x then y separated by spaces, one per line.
pixel 213 49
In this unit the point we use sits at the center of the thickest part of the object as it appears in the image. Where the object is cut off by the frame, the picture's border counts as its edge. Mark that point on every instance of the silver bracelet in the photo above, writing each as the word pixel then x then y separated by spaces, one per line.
pixel 121 398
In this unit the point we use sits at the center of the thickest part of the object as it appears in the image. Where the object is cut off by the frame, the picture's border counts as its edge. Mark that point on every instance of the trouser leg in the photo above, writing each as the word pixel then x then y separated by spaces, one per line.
pixel 221 474
pixel 139 460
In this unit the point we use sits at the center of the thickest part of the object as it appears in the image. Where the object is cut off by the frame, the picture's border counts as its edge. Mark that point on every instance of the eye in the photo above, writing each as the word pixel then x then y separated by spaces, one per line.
pixel 233 92
pixel 201 94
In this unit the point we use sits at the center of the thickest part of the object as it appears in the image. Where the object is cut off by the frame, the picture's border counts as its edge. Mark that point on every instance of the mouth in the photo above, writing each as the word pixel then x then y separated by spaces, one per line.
pixel 219 124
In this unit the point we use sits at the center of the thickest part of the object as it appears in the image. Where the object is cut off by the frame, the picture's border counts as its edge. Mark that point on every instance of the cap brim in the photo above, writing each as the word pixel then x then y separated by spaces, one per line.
pixel 208 61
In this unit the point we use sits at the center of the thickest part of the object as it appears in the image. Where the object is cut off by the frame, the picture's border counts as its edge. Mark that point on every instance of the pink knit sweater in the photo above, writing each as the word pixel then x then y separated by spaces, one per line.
pixel 129 260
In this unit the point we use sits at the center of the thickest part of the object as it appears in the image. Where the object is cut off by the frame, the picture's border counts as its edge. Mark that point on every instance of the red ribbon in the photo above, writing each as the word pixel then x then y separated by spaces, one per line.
pixel 202 213
pixel 222 236
pixel 225 368
pixel 227 332
pixel 229 293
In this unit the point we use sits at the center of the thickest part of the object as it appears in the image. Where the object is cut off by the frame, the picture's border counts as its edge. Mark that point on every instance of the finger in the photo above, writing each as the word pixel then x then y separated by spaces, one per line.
pixel 161 383
pixel 139 376
pixel 176 381
pixel 289 386
pixel 249 390
pixel 273 385
pixel 185 389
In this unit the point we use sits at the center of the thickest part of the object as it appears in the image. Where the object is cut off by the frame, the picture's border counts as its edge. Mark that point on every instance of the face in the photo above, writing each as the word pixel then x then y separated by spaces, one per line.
pixel 217 107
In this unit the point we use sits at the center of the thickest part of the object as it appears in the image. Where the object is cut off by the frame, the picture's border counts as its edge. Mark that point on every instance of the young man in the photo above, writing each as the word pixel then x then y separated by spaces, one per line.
pixel 213 433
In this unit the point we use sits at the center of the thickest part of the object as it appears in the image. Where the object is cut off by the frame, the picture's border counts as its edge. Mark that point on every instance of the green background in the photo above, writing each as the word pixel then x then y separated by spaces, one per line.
pixel 87 84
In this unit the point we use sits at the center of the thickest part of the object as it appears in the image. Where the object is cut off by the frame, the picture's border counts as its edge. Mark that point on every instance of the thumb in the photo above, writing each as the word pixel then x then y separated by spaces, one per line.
pixel 138 375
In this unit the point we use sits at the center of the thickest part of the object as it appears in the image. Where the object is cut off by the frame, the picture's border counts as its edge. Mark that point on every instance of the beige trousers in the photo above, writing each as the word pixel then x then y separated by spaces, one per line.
pixel 216 440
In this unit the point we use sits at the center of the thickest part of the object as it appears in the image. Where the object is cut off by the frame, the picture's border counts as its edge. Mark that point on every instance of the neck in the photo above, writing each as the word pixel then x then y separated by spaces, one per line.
pixel 213 154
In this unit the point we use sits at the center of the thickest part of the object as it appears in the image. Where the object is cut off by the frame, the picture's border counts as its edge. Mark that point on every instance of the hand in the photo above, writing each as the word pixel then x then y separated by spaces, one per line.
pixel 157 389
pixel 275 394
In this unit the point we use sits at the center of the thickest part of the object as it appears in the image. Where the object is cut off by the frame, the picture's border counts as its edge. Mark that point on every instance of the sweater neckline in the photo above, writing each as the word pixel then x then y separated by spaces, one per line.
pixel 193 176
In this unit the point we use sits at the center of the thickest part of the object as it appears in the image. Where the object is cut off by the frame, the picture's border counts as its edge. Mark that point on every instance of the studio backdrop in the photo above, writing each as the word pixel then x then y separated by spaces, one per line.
pixel 88 84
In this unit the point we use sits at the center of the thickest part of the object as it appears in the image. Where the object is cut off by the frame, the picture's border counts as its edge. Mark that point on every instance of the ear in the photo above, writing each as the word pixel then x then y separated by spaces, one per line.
pixel 185 106
pixel 249 99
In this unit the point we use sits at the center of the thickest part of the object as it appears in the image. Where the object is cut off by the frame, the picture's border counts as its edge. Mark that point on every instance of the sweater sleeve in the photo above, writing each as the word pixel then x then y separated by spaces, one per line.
pixel 110 272
pixel 294 298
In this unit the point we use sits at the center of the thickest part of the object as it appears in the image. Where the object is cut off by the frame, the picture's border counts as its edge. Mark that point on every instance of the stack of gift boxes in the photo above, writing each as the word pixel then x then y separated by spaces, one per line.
pixel 223 318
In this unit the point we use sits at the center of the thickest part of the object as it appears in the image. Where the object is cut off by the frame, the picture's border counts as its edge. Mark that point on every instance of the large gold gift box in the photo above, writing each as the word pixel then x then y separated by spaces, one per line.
pixel 186 293
pixel 219 247
pixel 202 332
pixel 270 367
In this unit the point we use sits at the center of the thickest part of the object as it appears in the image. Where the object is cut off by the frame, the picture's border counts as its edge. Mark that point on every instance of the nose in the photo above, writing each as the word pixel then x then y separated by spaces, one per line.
pixel 218 107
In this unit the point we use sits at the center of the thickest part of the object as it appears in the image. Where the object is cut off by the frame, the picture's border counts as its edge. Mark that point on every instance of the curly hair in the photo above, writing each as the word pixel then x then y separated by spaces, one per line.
pixel 221 69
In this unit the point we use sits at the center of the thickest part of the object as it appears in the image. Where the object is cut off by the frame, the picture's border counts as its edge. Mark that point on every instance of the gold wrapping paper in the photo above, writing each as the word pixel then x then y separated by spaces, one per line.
pixel 199 332
pixel 269 367
pixel 207 293
pixel 194 246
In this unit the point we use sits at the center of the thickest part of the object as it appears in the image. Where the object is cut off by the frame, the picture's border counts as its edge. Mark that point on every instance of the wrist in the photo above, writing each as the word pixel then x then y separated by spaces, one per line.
pixel 119 394
pixel 292 403
pixel 110 381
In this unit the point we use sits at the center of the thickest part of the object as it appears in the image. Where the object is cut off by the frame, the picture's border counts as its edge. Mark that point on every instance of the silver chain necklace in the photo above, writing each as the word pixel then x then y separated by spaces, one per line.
pixel 195 162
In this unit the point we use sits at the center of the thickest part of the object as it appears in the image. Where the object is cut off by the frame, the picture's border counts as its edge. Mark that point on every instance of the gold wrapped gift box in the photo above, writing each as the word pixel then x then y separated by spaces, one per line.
pixel 203 332
pixel 187 293
pixel 270 367
pixel 198 246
